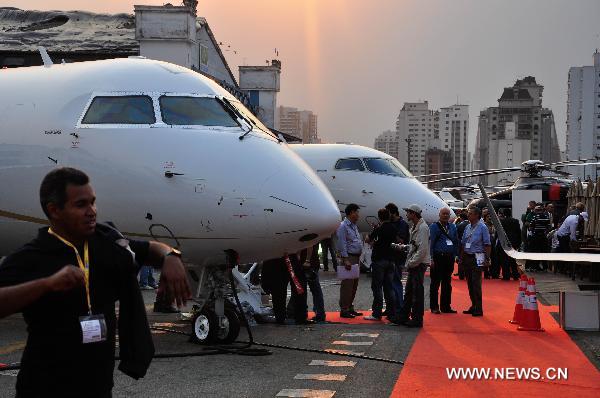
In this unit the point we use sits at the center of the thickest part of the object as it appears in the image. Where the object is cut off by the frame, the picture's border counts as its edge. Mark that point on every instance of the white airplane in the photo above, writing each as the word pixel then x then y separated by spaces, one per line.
pixel 369 178
pixel 171 155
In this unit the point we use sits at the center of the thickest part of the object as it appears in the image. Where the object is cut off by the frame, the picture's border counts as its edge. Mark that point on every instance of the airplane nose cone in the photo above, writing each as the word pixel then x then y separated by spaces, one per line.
pixel 300 210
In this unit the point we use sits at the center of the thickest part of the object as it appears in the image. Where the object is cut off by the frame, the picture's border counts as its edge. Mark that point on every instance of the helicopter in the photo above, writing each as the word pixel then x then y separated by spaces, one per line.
pixel 539 181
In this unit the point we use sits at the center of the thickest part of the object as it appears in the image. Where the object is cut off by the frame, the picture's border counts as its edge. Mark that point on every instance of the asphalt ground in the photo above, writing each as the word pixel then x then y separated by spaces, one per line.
pixel 231 375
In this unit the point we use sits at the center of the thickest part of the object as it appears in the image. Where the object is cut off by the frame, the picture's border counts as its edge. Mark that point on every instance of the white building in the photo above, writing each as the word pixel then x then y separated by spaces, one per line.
pixel 511 152
pixel 301 124
pixel 415 133
pixel 583 116
pixel 426 136
pixel 387 142
pixel 454 133
pixel 519 111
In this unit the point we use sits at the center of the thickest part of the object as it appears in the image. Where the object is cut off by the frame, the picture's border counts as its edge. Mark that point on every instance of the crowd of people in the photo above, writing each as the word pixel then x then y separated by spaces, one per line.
pixel 398 246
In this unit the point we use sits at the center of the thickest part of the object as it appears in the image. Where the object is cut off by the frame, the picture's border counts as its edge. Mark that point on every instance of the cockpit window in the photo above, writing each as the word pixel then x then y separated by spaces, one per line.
pixel 349 164
pixel 386 166
pixel 190 111
pixel 131 109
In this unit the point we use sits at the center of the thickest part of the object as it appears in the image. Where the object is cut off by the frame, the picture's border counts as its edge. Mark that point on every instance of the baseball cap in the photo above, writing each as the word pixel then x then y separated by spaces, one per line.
pixel 414 208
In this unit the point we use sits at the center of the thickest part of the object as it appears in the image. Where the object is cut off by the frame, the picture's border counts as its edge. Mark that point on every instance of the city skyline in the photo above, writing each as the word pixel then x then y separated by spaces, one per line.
pixel 355 64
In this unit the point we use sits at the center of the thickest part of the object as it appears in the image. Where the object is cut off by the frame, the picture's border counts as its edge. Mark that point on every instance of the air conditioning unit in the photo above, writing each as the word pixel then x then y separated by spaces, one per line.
pixel 580 310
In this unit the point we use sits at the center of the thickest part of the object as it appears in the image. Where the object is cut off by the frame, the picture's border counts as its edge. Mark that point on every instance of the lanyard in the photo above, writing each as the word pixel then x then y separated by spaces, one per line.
pixel 84 265
pixel 471 231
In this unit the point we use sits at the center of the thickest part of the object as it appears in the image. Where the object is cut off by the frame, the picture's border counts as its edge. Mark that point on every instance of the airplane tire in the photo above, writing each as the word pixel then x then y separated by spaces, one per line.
pixel 204 327
pixel 232 328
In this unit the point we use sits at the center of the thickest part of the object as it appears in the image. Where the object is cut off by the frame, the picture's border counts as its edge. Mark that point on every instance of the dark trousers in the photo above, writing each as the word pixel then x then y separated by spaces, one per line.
pixel 317 294
pixel 298 300
pixel 473 274
pixel 537 243
pixel 382 276
pixel 564 244
pixel 495 260
pixel 275 279
pixel 414 296
pixel 508 265
pixel 441 274
pixel 398 288
pixel 348 288
pixel 327 248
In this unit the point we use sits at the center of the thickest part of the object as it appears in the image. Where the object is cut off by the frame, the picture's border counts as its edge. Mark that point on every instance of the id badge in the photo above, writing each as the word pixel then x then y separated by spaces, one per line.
pixel 449 242
pixel 480 259
pixel 467 245
pixel 93 328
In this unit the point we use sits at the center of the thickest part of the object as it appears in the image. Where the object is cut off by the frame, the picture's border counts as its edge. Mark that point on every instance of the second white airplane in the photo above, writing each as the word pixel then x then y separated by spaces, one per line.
pixel 369 178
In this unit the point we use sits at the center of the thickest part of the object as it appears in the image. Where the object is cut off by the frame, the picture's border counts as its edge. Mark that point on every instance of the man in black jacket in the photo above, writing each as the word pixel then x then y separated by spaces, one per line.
pixel 70 309
pixel 513 232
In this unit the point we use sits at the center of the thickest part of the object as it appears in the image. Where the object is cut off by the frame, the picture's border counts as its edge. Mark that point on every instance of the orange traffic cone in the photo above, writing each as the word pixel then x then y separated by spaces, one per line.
pixel 518 315
pixel 530 320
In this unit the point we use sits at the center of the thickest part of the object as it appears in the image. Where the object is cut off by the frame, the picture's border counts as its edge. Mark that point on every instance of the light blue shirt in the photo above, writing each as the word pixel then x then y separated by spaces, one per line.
pixel 349 238
pixel 476 238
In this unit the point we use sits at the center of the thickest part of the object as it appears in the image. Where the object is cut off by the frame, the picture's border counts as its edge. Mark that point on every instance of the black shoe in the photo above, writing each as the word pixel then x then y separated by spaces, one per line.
pixel 346 314
pixel 469 311
pixel 477 314
pixel 435 311
pixel 398 320
pixel 305 322
pixel 413 324
pixel 318 319
pixel 449 311
pixel 356 313
pixel 165 309
pixel 326 269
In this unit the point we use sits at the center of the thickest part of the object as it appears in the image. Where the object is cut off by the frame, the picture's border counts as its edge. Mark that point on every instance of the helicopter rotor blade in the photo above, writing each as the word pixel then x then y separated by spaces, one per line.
pixel 470 175
pixel 468 171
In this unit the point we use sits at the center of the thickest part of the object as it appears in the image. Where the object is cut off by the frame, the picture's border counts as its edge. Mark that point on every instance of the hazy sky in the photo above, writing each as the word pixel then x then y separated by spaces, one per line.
pixel 356 62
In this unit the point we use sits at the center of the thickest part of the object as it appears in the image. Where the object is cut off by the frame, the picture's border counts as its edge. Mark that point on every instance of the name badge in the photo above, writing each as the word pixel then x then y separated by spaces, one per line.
pixel 467 245
pixel 480 259
pixel 93 328
pixel 449 242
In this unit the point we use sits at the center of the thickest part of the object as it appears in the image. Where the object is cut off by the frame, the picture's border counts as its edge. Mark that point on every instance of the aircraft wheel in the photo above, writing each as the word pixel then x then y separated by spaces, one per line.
pixel 204 327
pixel 231 329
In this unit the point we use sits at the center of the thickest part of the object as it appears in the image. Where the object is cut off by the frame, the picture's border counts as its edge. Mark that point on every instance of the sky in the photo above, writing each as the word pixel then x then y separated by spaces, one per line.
pixel 356 62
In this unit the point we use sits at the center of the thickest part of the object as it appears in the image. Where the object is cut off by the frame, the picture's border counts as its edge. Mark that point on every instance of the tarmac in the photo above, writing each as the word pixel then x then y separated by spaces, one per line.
pixel 285 372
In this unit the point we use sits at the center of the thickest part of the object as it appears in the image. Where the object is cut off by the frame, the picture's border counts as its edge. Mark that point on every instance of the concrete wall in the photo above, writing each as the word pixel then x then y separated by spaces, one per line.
pixel 215 65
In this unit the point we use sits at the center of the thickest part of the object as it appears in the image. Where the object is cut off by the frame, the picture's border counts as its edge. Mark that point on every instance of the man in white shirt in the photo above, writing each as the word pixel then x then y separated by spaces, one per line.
pixel 567 232
pixel 416 263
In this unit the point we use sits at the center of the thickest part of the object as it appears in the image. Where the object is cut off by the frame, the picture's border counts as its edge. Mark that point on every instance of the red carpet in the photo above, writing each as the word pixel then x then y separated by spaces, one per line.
pixel 452 341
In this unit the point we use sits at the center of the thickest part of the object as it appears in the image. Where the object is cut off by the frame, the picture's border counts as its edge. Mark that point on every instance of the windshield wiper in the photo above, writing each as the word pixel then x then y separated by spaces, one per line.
pixel 232 110
pixel 249 120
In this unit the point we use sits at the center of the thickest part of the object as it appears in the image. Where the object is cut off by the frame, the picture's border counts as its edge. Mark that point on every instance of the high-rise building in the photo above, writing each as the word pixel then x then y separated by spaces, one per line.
pixel 429 141
pixel 415 131
pixel 583 116
pixel 454 134
pixel 302 124
pixel 387 142
pixel 519 118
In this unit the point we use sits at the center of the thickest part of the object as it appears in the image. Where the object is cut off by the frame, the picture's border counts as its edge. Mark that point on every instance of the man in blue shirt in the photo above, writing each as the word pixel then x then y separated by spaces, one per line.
pixel 475 256
pixel 350 246
pixel 402 236
pixel 444 250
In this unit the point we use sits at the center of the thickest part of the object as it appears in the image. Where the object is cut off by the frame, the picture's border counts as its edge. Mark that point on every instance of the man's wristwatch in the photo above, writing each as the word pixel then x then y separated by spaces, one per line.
pixel 174 252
